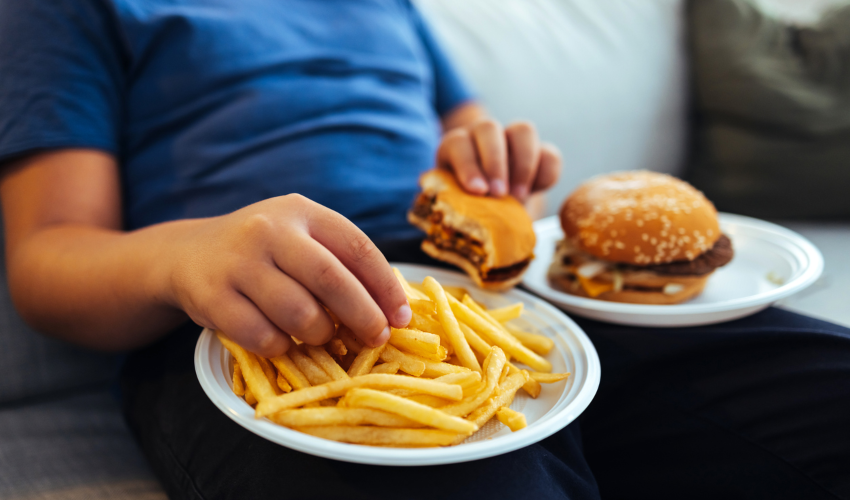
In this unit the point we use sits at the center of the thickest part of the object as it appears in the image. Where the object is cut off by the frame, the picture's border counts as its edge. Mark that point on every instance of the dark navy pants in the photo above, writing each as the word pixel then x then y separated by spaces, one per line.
pixel 754 408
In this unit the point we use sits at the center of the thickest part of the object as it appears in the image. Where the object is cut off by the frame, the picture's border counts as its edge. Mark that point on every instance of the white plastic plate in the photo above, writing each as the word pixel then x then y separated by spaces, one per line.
pixel 558 404
pixel 770 263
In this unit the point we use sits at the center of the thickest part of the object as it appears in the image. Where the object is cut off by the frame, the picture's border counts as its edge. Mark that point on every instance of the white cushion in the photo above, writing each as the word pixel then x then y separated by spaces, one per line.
pixel 603 80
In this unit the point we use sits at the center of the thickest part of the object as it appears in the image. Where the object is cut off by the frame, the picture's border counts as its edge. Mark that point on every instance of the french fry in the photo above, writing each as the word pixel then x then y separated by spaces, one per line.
pixel 409 363
pixel 338 388
pixel 499 337
pixel 513 419
pixel 308 367
pixel 269 372
pixel 238 381
pixel 364 361
pixel 467 380
pixel 381 436
pixel 336 347
pixel 434 369
pixel 532 387
pixel 390 368
pixel 549 378
pixel 449 369
pixel 428 400
pixel 507 391
pixel 370 398
pixel 429 324
pixel 255 378
pixel 455 291
pixel 540 344
pixel 507 313
pixel 537 343
pixel 325 362
pixel 418 288
pixel 411 335
pixel 411 292
pixel 290 371
pixel 463 379
pixel 450 325
pixel 424 344
pixel 282 383
pixel 493 365
pixel 504 374
pixel 249 398
pixel 347 337
pixel 441 355
pixel 475 341
pixel 304 417
pixel 422 306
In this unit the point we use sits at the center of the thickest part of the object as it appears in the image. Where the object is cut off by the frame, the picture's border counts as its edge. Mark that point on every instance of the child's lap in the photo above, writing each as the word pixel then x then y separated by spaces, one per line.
pixel 755 408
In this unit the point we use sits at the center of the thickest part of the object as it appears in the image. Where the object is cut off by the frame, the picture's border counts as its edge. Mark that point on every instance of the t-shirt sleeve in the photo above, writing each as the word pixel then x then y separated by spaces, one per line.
pixel 450 88
pixel 61 77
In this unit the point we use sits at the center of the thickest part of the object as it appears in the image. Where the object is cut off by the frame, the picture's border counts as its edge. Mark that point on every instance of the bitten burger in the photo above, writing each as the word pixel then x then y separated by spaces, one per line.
pixel 492 239
pixel 639 237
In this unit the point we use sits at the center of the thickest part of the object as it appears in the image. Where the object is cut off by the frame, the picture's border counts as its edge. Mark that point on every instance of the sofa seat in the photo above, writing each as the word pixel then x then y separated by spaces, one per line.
pixel 70 447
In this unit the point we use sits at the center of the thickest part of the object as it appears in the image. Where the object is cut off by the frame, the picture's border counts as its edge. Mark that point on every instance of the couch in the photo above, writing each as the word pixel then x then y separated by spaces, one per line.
pixel 606 81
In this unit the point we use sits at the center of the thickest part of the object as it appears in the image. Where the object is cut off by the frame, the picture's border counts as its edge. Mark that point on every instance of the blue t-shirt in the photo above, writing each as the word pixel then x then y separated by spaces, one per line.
pixel 211 105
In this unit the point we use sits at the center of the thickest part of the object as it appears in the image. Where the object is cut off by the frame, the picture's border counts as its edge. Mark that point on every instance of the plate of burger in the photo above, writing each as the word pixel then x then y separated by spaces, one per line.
pixel 646 249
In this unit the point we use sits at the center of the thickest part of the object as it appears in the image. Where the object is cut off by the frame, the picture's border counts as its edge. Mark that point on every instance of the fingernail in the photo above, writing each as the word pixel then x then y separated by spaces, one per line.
pixel 478 185
pixel 403 315
pixel 497 187
pixel 520 192
pixel 382 338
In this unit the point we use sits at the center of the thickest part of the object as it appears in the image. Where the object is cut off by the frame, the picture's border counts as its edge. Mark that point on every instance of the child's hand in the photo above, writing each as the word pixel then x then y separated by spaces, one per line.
pixel 489 160
pixel 260 274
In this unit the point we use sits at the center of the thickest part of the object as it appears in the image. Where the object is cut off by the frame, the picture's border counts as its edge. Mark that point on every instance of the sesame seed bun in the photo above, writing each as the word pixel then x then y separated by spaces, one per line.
pixel 640 218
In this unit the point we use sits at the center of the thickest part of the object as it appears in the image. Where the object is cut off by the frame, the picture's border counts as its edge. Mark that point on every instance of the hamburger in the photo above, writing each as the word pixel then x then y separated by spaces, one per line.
pixel 639 237
pixel 492 239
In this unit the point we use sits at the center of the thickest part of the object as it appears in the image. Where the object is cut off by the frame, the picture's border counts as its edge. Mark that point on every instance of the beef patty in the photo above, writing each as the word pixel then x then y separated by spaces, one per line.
pixel 719 255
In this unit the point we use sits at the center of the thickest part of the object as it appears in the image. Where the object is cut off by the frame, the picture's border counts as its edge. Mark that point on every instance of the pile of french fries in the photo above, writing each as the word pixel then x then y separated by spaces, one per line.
pixel 434 383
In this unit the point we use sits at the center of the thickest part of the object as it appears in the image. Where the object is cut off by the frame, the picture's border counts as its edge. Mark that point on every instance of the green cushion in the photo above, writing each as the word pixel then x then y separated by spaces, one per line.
pixel 772 111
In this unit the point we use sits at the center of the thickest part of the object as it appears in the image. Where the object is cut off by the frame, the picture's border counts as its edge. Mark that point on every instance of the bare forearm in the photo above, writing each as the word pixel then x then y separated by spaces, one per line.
pixel 98 287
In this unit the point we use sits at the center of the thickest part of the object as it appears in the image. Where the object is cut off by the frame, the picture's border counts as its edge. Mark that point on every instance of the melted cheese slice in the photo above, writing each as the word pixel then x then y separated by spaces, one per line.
pixel 594 288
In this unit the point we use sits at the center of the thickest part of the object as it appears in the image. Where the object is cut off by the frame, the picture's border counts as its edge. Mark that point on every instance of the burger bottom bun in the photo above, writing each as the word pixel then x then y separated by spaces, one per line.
pixel 691 287
pixel 458 260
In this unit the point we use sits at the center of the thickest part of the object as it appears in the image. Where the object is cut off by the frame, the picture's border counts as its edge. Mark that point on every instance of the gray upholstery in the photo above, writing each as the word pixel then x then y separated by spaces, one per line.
pixel 62 435
pixel 72 447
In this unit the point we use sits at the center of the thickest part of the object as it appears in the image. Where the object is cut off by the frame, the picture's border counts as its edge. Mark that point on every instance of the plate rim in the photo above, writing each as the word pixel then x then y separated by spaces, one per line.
pixel 539 430
pixel 806 277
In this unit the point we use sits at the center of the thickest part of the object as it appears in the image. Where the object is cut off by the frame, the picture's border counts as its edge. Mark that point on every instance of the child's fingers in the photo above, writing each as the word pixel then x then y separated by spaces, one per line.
pixel 286 303
pixel 549 168
pixel 243 322
pixel 320 272
pixel 361 257
pixel 492 152
pixel 457 154
pixel 524 155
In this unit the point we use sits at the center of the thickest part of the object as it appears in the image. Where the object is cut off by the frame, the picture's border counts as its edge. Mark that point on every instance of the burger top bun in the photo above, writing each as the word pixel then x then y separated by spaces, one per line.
pixel 501 224
pixel 640 218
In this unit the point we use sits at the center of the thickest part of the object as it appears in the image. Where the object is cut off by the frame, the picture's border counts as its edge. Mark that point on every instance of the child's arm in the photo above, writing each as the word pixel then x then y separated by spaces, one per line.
pixel 255 273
